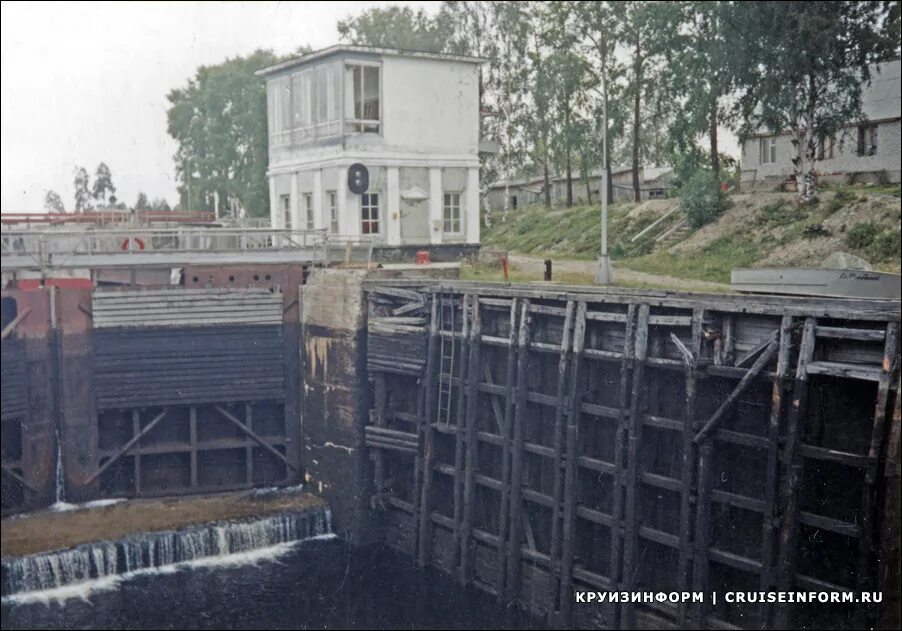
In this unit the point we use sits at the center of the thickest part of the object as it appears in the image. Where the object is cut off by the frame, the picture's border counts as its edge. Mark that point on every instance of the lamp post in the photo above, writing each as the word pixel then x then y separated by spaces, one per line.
pixel 603 271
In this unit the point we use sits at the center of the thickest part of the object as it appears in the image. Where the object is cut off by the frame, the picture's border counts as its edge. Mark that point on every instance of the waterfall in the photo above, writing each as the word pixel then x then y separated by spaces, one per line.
pixel 60 474
pixel 98 562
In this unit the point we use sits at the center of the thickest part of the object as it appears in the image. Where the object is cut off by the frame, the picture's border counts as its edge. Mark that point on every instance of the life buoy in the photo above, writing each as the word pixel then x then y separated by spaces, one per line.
pixel 139 242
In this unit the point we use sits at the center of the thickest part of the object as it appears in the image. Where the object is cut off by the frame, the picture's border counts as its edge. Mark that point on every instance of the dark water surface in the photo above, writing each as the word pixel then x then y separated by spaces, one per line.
pixel 321 584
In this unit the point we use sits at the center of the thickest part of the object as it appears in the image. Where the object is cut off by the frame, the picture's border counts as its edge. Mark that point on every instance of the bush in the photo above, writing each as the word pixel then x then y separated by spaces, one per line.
pixel 886 246
pixel 701 199
pixel 861 235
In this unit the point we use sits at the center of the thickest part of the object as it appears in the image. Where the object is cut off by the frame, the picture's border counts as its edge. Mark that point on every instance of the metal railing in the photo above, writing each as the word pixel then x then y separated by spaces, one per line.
pixel 43 249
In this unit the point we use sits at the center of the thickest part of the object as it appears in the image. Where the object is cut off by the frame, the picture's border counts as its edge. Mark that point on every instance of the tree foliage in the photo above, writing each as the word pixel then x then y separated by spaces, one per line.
pixel 53 203
pixel 805 66
pixel 219 123
pixel 103 190
pixel 395 27
pixel 83 195
pixel 701 198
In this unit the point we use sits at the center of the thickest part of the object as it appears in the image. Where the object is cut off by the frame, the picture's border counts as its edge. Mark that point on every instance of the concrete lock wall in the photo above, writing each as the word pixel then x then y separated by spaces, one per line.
pixel 336 396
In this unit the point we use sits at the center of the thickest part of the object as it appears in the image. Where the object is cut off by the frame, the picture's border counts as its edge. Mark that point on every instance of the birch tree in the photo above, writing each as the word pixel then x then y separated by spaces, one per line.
pixel 806 63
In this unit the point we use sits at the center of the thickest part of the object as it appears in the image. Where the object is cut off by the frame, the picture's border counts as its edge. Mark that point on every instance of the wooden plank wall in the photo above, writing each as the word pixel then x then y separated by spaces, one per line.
pixel 555 441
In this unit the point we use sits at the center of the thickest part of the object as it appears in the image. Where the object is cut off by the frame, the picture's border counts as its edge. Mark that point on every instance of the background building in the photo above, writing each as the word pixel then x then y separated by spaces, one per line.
pixel 411 118
pixel 865 151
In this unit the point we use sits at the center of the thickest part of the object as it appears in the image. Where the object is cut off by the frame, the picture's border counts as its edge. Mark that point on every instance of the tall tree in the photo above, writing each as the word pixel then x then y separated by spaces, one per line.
pixel 219 123
pixel 645 29
pixel 103 185
pixel 53 203
pixel 596 24
pixel 395 27
pixel 83 195
pixel 141 203
pixel 806 63
pixel 159 203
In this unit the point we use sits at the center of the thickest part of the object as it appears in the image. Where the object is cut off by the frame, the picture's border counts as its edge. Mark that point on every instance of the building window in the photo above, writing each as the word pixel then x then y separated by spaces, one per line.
pixel 285 205
pixel 333 211
pixel 369 213
pixel 825 148
pixel 768 150
pixel 308 210
pixel 363 111
pixel 867 140
pixel 656 193
pixel 451 213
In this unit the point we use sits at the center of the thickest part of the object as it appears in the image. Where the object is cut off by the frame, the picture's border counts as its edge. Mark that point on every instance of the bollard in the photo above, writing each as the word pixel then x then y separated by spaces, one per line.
pixel 547 269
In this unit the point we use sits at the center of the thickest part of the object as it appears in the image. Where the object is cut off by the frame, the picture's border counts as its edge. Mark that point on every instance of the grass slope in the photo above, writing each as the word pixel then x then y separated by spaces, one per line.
pixel 760 229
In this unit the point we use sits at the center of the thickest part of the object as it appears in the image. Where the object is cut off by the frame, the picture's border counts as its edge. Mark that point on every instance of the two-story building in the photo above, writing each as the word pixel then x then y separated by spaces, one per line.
pixel 863 151
pixel 412 118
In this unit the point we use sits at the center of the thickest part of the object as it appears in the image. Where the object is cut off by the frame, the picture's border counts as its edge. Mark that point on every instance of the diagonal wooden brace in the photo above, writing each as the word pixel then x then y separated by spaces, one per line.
pixel 741 387
pixel 125 449
pixel 18 478
pixel 247 430
pixel 9 328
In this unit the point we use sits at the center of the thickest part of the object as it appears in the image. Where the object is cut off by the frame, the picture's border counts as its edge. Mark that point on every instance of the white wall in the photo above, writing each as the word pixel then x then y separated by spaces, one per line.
pixel 845 157
pixel 430 105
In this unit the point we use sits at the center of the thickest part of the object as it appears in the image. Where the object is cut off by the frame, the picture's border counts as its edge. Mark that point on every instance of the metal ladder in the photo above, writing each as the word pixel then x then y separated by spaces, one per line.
pixel 446 358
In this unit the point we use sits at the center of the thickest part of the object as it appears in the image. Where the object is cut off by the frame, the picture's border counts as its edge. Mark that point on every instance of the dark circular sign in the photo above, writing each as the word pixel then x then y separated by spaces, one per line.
pixel 358 178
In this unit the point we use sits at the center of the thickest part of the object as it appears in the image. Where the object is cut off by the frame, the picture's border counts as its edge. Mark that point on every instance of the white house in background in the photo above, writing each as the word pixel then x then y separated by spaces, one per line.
pixel 412 118
pixel 865 151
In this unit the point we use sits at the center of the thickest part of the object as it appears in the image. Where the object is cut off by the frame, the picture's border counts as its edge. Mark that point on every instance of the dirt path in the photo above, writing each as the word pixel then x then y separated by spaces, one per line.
pixel 536 265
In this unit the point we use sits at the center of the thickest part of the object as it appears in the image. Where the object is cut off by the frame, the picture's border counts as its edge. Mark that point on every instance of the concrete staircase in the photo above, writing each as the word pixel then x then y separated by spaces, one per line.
pixel 674 235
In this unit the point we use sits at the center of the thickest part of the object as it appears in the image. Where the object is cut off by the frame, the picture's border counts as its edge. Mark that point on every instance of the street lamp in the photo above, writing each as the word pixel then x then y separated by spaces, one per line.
pixel 603 274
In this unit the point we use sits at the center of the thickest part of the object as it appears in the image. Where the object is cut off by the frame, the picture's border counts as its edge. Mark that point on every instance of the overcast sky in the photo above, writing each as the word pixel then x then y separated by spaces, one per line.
pixel 87 82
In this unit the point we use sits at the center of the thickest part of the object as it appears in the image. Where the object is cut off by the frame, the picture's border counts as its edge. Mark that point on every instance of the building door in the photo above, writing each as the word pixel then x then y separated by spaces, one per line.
pixel 414 220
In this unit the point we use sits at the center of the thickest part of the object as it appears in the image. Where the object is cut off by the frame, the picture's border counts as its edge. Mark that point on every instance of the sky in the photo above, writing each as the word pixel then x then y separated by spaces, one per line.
pixel 87 82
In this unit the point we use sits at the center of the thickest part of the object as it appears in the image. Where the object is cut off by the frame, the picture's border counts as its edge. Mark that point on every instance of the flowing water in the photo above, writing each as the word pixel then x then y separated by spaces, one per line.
pixel 285 572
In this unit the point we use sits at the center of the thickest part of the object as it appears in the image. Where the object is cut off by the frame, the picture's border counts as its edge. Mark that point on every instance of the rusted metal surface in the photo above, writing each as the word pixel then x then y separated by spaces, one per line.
pixel 95 390
pixel 655 441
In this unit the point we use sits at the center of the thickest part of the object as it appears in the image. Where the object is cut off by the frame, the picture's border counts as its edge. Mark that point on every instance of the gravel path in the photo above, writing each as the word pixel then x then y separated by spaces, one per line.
pixel 536 265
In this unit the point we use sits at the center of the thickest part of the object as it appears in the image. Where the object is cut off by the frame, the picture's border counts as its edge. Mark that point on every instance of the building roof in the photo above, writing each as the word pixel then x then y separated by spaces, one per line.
pixel 371 50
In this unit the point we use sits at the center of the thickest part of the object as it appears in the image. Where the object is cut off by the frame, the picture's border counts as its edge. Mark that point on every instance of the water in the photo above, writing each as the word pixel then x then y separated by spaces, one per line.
pixel 315 584
pixel 60 574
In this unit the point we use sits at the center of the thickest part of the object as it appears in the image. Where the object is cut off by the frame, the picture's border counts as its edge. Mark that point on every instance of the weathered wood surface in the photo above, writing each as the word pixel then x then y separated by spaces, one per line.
pixel 645 441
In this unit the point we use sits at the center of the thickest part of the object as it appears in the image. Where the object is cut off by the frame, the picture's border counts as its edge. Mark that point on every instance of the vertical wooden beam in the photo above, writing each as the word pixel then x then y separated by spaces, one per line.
pixel 793 462
pixel 627 366
pixel 700 543
pixel 729 339
pixel 380 402
pixel 688 461
pixel 571 485
pixel 470 446
pixel 459 445
pixel 504 509
pixel 867 549
pixel 631 525
pixel 136 431
pixel 422 504
pixel 771 518
pixel 192 432
pixel 516 495
pixel 557 460
pixel 249 450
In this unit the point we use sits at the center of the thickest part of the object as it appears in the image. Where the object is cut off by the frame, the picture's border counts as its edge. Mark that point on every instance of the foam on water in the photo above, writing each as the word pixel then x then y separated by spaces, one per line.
pixel 76 573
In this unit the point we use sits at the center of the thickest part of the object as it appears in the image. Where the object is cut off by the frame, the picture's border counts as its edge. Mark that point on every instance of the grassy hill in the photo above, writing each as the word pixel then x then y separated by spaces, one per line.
pixel 758 230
